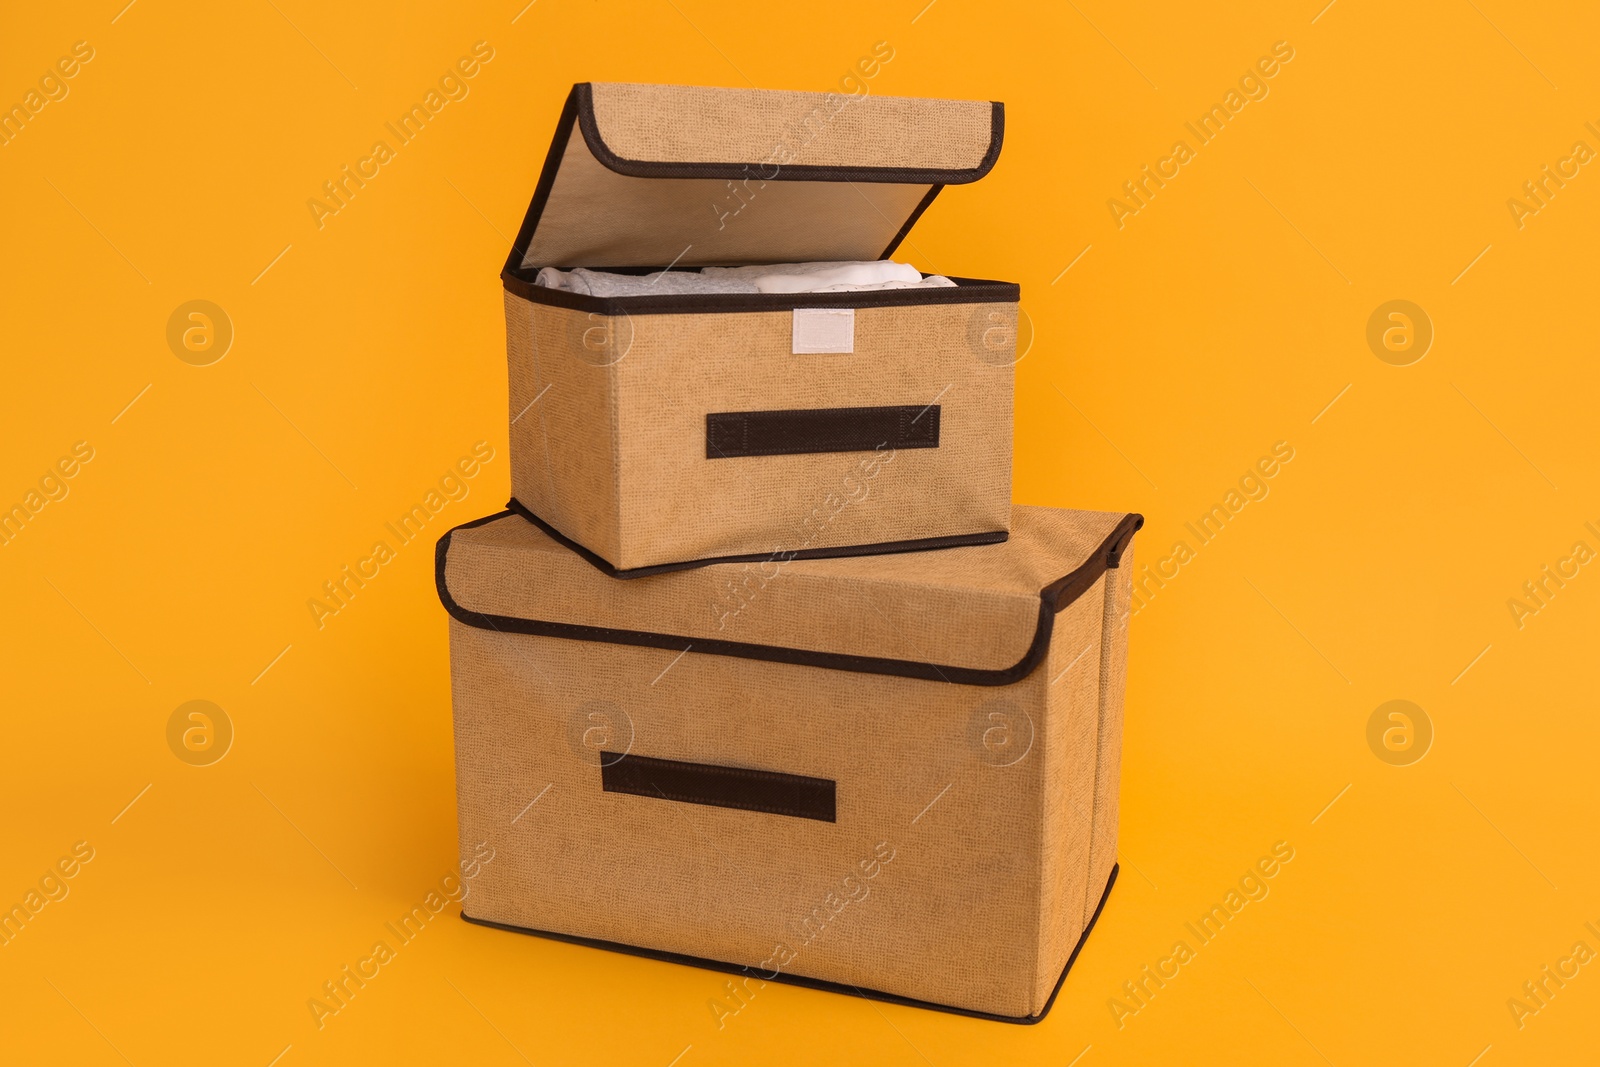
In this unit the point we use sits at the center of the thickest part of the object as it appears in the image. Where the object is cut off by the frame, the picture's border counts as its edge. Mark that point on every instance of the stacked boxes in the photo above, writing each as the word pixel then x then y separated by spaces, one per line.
pixel 761 670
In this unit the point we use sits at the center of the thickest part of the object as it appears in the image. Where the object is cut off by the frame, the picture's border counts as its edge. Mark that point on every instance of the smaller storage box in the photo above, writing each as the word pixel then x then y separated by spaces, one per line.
pixel 894 774
pixel 659 431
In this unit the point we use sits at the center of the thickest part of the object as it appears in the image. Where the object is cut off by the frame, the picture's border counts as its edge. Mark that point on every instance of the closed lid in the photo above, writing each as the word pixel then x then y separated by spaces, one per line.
pixel 973 616
pixel 696 176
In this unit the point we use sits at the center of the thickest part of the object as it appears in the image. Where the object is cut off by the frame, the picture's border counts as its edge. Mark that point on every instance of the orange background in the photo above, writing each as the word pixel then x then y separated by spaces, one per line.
pixel 1228 314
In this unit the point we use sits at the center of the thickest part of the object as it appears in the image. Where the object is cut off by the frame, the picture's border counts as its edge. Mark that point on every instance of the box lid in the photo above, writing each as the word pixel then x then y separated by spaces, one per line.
pixel 979 615
pixel 693 176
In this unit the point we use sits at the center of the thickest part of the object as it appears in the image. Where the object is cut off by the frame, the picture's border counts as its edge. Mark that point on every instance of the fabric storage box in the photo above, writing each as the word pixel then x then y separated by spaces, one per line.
pixel 894 774
pixel 664 430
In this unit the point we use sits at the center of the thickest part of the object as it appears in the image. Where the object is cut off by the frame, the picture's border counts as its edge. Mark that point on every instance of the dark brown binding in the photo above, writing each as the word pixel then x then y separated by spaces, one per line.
pixel 911 220
pixel 778 556
pixel 541 192
pixel 809 431
pixel 1052 599
pixel 818 983
pixel 714 785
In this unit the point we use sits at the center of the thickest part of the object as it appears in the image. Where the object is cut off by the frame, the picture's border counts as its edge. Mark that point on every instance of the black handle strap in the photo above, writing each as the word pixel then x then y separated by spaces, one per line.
pixel 799 431
pixel 718 786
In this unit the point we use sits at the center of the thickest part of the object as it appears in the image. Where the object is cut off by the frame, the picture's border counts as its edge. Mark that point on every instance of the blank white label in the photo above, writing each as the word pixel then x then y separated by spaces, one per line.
pixel 823 330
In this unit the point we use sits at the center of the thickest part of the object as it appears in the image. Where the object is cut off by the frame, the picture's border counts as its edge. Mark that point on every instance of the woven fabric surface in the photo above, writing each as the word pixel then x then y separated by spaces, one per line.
pixel 1113 669
pixel 955 870
pixel 556 448
pixel 613 450
pixel 692 124
pixel 598 218
pixel 901 606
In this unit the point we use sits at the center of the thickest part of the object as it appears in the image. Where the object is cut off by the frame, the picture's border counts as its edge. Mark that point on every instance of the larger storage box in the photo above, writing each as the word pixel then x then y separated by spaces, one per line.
pixel 896 774
pixel 664 430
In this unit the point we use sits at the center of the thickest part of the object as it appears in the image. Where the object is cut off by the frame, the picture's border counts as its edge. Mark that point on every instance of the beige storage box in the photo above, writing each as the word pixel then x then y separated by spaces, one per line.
pixel 892 776
pixel 665 430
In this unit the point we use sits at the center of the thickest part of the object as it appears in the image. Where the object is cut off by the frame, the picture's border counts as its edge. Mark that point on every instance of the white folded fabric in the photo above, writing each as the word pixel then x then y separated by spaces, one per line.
pixel 661 283
pixel 820 277
pixel 932 281
pixel 783 278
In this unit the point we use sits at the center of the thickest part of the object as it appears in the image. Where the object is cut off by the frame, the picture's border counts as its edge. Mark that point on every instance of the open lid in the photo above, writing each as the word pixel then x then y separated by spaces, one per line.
pixel 971 616
pixel 692 176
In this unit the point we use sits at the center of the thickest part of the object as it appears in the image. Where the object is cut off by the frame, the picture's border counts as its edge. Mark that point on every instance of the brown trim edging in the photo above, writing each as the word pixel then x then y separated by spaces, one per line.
pixel 911 220
pixel 547 181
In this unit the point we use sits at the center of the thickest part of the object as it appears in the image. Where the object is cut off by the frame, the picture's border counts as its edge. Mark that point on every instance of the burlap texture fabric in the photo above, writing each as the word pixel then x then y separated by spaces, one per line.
pixel 796 176
pixel 608 430
pixel 597 217
pixel 972 821
pixel 564 454
pixel 694 124
pixel 1113 684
